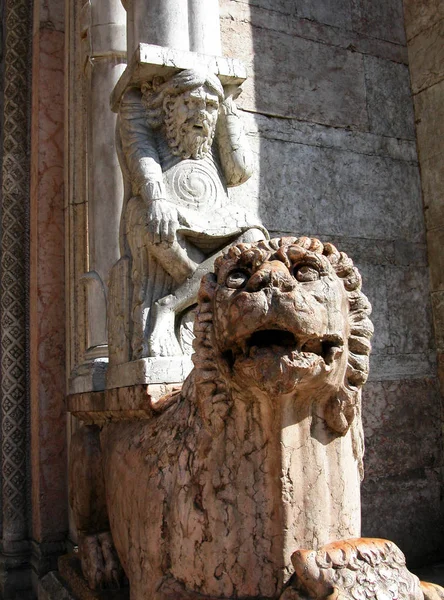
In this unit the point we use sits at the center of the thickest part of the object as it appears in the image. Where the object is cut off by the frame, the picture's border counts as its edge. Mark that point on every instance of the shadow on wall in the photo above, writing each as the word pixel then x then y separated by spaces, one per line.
pixel 330 119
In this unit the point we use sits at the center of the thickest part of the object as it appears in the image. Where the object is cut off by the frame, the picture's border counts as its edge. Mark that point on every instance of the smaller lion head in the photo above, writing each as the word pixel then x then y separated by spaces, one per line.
pixel 286 316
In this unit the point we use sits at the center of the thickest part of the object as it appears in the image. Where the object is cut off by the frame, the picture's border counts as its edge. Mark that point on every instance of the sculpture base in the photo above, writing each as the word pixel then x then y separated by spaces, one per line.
pixel 152 370
pixel 89 377
pixel 135 402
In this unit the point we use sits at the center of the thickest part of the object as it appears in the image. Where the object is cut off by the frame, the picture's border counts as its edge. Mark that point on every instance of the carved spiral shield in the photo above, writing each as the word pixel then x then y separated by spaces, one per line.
pixel 195 184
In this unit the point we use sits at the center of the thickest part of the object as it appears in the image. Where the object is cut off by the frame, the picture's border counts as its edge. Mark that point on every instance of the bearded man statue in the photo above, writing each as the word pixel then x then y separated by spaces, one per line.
pixel 180 145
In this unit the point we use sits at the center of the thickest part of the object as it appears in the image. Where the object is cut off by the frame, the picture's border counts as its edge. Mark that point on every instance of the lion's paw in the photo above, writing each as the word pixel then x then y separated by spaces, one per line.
pixel 100 564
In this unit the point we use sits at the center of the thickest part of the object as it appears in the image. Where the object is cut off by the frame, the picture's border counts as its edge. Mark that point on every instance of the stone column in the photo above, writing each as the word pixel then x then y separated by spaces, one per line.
pixel 160 22
pixel 179 24
pixel 105 60
pixel 204 26
pixel 97 58
pixel 14 556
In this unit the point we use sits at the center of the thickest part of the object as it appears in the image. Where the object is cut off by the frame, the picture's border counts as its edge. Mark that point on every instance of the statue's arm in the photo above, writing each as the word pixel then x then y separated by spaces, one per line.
pixel 138 147
pixel 235 154
pixel 141 166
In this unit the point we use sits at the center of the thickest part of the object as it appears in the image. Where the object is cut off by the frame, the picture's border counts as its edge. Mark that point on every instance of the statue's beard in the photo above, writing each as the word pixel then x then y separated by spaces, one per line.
pixel 188 141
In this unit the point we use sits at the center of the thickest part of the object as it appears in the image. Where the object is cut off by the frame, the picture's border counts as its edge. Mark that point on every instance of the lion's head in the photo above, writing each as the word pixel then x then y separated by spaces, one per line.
pixel 288 317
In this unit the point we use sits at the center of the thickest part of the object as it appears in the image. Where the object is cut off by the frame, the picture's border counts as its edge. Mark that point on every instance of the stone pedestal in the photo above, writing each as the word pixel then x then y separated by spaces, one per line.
pixel 123 403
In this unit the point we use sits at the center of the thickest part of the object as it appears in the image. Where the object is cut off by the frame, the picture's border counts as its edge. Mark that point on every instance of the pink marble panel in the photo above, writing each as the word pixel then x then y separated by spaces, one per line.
pixel 47 298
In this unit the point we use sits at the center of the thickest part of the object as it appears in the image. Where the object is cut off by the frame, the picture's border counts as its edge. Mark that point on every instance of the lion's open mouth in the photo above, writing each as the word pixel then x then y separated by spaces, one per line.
pixel 283 342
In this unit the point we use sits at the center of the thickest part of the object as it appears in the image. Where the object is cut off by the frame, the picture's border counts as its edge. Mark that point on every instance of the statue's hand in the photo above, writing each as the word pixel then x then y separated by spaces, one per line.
pixel 162 222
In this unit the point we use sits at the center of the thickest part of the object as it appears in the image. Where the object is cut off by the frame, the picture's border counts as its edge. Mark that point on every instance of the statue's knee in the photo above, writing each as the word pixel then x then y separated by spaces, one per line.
pixel 252 235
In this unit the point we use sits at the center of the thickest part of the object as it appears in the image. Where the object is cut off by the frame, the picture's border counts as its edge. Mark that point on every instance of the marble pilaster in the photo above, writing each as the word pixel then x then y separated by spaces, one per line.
pixel 47 297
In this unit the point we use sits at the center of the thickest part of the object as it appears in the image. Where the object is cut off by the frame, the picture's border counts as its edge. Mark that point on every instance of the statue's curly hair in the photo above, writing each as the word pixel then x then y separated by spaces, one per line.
pixel 156 93
pixel 342 411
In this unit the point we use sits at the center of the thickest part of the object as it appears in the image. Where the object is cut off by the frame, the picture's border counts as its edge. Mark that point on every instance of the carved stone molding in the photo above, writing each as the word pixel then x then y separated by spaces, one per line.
pixel 14 266
pixel 14 240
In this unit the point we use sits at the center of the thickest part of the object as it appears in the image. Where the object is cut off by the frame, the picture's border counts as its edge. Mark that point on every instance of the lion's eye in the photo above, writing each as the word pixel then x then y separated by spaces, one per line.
pixel 306 273
pixel 236 280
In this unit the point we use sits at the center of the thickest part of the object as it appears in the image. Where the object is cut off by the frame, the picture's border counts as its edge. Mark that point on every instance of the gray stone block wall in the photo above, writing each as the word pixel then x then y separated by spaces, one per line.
pixel 329 115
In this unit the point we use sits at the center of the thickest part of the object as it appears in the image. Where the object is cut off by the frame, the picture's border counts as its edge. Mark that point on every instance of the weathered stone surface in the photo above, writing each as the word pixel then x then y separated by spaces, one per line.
pixel 379 18
pixel 331 12
pixel 409 309
pixel 282 343
pixel 287 7
pixel 426 57
pixel 374 278
pixel 435 241
pixel 265 15
pixel 410 255
pixel 261 127
pixel 440 362
pixel 406 508
pixel 321 83
pixel 429 111
pixel 389 99
pixel 438 318
pixel 432 179
pixel 419 16
pixel 402 421
pixel 389 367
pixel 304 188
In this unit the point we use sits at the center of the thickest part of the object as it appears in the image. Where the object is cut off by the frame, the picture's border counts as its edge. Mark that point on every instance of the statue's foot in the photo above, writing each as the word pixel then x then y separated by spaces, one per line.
pixel 100 564
pixel 163 340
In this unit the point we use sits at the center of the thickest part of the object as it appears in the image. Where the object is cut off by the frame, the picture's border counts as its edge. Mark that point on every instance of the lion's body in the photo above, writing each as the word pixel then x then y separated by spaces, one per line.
pixel 196 508
pixel 223 516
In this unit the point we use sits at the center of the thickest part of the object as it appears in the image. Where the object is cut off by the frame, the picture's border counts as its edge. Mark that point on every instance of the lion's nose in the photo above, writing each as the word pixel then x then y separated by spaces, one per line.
pixel 272 274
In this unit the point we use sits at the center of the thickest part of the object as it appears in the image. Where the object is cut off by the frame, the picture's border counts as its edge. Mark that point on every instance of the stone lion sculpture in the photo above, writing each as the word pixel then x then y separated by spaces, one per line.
pixel 259 454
